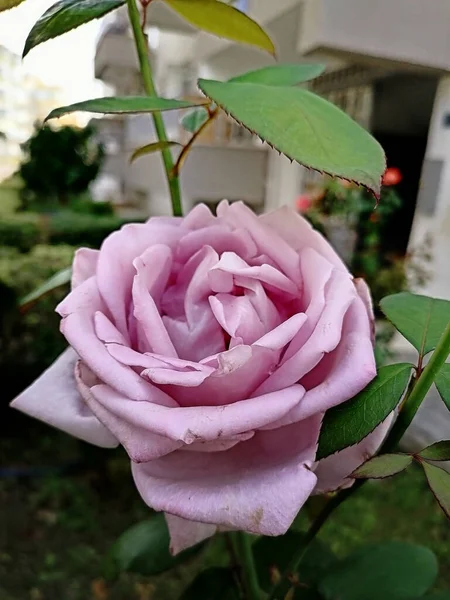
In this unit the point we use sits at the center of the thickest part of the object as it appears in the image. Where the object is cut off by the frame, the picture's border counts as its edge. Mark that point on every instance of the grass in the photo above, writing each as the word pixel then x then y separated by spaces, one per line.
pixel 55 531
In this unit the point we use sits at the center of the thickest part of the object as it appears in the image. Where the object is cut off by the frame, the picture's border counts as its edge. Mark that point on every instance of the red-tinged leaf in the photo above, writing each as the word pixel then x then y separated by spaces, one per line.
pixel 151 148
pixel 439 451
pixel 439 482
pixel 383 466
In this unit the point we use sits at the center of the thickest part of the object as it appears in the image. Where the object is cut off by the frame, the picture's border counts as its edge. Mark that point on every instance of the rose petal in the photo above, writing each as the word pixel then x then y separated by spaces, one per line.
pixel 220 445
pixel 149 319
pixel 279 337
pixel 258 486
pixel 55 399
pixel 237 316
pixel 266 238
pixel 141 445
pixel 340 293
pixel 78 329
pixel 341 374
pixel 232 263
pixel 106 331
pixel 84 298
pixel 84 265
pixel 364 293
pixel 333 472
pixel 297 232
pixel 218 237
pixel 200 216
pixel 184 534
pixel 237 373
pixel 191 424
pixel 115 269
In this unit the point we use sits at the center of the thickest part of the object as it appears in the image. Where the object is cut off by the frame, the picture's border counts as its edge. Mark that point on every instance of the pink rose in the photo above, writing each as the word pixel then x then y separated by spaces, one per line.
pixel 210 349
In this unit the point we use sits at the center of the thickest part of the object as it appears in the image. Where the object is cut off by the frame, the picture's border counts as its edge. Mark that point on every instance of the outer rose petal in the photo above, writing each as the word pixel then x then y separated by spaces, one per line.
pixel 115 270
pixel 333 472
pixel 364 293
pixel 84 265
pixel 299 234
pixel 258 486
pixel 54 399
pixel 191 424
pixel 184 534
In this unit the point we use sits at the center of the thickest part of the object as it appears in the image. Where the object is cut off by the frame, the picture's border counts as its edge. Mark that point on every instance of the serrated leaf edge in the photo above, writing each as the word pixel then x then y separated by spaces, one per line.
pixel 375 192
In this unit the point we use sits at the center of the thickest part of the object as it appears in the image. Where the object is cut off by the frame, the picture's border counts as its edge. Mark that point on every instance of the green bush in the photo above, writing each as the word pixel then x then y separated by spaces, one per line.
pixel 21 231
pixel 85 205
pixel 25 230
pixel 81 229
pixel 30 342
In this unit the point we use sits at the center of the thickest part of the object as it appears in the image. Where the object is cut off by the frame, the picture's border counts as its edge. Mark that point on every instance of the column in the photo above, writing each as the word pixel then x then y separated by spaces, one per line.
pixel 284 181
pixel 432 216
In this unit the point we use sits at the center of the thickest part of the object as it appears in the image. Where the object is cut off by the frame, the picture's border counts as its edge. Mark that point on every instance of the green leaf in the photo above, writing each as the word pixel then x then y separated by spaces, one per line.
pixel 150 148
pixel 65 16
pixel 442 382
pixel 59 279
pixel 216 583
pixel 123 105
pixel 7 4
pixel 393 570
pixel 420 319
pixel 347 424
pixel 144 549
pixel 281 75
pixel 274 554
pixel 383 466
pixel 438 451
pixel 194 119
pixel 304 127
pixel 224 21
pixel 439 482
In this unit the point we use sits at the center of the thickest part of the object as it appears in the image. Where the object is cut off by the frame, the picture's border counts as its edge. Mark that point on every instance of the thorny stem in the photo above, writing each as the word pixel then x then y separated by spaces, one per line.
pixel 417 391
pixel 421 387
pixel 147 78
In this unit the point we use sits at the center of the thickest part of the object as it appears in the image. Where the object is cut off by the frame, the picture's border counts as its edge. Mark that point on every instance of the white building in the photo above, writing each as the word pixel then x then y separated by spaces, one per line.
pixel 24 99
pixel 388 65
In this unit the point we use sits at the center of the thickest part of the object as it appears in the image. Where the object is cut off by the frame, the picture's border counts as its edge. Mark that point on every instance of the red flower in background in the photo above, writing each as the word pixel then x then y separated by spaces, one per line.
pixel 303 203
pixel 392 176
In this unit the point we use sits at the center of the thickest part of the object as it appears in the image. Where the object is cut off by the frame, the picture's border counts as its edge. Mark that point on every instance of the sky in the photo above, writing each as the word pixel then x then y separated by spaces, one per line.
pixel 67 61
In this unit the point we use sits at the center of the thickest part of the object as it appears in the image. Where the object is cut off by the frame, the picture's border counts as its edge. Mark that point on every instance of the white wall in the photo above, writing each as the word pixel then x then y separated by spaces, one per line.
pixel 210 173
pixel 438 223
pixel 284 181
pixel 409 31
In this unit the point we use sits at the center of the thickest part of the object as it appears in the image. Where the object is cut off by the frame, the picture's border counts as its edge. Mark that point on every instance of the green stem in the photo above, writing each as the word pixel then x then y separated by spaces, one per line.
pixel 149 86
pixel 419 391
pixel 243 550
pixel 292 568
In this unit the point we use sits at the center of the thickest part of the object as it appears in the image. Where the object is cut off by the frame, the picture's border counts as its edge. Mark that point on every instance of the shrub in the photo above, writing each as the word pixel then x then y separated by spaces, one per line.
pixel 81 229
pixel 59 164
pixel 26 230
pixel 20 231
pixel 85 205
pixel 30 342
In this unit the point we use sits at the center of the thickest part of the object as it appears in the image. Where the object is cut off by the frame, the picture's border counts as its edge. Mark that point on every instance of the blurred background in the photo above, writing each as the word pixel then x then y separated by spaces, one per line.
pixel 70 184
